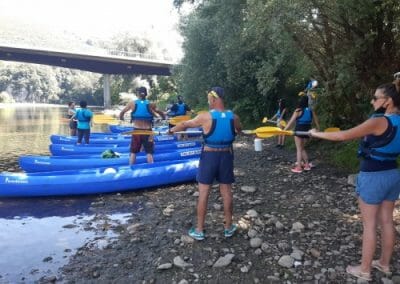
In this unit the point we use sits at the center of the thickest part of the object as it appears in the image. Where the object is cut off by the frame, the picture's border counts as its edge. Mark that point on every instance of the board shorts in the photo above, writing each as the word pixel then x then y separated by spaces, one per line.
pixel 375 187
pixel 146 141
pixel 216 165
pixel 302 127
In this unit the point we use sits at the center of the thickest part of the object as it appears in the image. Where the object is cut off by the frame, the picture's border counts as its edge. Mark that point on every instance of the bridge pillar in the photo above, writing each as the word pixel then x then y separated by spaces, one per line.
pixel 106 87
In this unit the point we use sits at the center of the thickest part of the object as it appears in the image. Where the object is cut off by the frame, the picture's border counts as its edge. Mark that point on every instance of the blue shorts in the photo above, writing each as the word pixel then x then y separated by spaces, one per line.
pixel 216 166
pixel 375 187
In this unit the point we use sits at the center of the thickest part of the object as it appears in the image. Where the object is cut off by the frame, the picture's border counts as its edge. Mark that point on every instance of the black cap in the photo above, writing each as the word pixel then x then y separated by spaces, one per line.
pixel 142 91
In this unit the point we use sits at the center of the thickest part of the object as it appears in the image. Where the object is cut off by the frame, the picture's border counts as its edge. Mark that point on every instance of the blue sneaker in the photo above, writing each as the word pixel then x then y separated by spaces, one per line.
pixel 229 232
pixel 196 235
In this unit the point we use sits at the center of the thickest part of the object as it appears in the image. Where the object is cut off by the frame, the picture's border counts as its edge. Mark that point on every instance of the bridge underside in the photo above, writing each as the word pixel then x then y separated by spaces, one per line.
pixel 97 64
pixel 103 64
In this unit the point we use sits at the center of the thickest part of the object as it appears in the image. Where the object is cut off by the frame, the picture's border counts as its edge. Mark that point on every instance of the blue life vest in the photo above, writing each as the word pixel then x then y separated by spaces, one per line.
pixel 83 115
pixel 181 109
pixel 385 147
pixel 305 117
pixel 222 132
pixel 142 110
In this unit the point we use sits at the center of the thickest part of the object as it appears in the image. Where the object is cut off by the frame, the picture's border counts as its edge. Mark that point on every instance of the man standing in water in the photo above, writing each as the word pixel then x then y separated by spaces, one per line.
pixel 142 118
pixel 220 127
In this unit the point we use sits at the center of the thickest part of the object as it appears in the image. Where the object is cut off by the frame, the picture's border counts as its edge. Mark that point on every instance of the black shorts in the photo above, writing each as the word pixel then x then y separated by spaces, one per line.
pixel 302 127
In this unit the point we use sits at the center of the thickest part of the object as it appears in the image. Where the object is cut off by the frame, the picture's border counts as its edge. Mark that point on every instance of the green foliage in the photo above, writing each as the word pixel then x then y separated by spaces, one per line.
pixel 345 156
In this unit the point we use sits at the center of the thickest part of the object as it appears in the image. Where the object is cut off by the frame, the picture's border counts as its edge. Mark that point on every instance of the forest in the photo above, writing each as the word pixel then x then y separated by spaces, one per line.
pixel 259 51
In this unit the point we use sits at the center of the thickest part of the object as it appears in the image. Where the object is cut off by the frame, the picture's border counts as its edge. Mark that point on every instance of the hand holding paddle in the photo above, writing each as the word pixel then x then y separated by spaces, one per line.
pixel 281 122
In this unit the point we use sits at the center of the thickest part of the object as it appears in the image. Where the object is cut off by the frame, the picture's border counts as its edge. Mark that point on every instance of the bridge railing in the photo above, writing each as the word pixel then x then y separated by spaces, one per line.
pixel 137 55
pixel 95 51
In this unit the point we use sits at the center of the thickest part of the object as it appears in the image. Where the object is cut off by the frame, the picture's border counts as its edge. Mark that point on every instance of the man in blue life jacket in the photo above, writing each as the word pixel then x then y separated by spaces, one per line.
pixel 143 112
pixel 83 116
pixel 179 108
pixel 220 127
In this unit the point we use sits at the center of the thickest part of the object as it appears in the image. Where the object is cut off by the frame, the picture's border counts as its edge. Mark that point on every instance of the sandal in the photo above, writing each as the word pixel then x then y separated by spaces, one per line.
pixel 356 272
pixel 382 268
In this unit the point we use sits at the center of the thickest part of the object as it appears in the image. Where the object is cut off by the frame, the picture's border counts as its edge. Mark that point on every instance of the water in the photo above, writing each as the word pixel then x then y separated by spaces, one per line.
pixel 25 129
pixel 38 235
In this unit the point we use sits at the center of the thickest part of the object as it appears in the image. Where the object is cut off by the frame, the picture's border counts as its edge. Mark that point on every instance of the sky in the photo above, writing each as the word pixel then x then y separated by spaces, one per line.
pixel 102 18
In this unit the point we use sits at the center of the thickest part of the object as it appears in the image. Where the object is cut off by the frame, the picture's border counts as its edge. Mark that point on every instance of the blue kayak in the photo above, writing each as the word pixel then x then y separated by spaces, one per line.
pixel 71 149
pixel 98 180
pixel 58 163
pixel 118 139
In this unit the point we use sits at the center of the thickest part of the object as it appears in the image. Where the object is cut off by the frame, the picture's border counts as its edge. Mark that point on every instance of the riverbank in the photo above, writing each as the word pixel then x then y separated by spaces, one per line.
pixel 293 228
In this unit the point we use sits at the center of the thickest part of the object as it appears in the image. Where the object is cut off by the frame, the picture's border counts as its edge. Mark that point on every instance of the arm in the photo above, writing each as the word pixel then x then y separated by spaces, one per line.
pixel 199 121
pixel 128 107
pixel 292 119
pixel 315 119
pixel 154 109
pixel 237 124
pixel 374 126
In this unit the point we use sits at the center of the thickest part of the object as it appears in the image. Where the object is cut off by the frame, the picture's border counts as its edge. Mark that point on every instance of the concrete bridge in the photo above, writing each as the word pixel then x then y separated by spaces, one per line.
pixel 107 62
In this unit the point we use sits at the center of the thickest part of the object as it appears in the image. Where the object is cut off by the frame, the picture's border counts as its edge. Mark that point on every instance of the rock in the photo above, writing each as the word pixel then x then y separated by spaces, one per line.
pixel 297 227
pixel 168 211
pixel 164 266
pixel 255 242
pixel 252 233
pixel 252 213
pixel 315 253
pixel 224 260
pixel 286 261
pixel 186 239
pixel 351 179
pixel 248 189
pixel 179 262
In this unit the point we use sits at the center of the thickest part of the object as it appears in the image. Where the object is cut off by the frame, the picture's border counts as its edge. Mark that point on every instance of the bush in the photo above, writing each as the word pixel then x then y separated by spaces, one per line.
pixel 6 98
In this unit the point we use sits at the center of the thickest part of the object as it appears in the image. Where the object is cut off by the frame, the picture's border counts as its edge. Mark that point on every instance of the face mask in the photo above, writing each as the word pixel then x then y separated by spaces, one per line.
pixel 380 110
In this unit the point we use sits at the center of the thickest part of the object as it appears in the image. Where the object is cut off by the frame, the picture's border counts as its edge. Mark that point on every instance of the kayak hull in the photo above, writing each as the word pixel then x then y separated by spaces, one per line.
pixel 70 149
pixel 32 164
pixel 99 180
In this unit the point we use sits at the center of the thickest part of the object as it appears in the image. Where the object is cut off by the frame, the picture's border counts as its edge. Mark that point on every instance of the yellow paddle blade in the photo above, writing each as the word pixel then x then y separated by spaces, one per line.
pixel 140 132
pixel 282 123
pixel 105 120
pixel 332 129
pixel 178 119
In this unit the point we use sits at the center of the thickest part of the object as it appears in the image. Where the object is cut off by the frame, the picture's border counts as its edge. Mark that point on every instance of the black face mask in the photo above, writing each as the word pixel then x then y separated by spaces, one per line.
pixel 380 110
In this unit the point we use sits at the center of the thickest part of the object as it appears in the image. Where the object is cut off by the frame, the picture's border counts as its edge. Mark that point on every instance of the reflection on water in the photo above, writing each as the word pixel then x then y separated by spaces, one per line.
pixel 25 129
pixel 38 235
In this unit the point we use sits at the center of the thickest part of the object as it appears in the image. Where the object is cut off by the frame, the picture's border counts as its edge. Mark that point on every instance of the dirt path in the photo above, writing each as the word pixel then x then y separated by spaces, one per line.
pixel 294 228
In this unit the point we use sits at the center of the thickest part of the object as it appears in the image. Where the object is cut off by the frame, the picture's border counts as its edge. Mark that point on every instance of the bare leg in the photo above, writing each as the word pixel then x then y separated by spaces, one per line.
pixel 385 216
pixel 150 158
pixel 304 156
pixel 132 158
pixel 204 192
pixel 298 142
pixel 226 193
pixel 369 215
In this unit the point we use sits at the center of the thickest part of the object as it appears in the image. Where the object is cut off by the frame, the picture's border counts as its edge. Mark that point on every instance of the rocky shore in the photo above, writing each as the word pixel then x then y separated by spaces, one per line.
pixel 293 228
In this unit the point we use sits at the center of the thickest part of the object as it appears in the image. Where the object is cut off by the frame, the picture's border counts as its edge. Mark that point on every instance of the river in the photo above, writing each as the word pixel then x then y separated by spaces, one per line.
pixel 38 235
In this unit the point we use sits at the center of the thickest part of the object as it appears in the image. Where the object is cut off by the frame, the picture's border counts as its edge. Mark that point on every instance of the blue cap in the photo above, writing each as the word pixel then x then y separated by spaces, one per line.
pixel 219 91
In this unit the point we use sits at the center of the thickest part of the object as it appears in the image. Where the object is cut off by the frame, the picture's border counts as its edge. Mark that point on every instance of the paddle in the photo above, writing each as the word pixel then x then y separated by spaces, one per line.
pixel 282 123
pixel 267 131
pixel 151 132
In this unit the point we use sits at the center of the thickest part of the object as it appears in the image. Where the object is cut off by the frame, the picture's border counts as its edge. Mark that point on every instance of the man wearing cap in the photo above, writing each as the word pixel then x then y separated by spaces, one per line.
pixel 142 118
pixel 220 127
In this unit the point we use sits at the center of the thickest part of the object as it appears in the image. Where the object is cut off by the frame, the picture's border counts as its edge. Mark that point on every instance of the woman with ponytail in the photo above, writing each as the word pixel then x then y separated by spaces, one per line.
pixel 378 182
